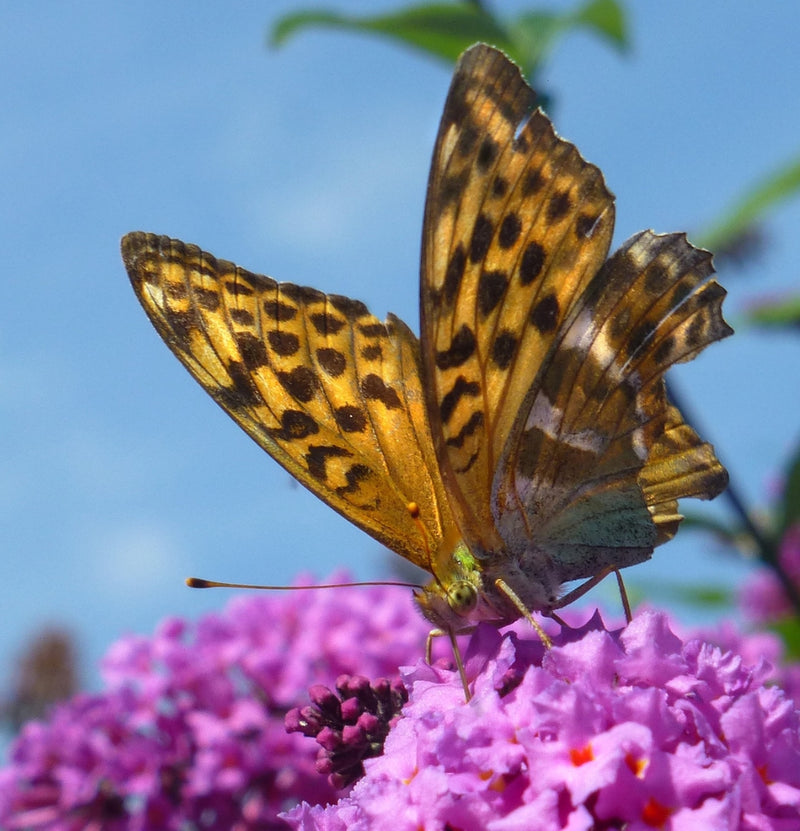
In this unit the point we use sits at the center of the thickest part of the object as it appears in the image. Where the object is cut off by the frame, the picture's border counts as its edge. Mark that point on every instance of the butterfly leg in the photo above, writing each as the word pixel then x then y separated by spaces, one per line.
pixel 559 620
pixel 437 633
pixel 581 590
pixel 503 587
pixel 623 596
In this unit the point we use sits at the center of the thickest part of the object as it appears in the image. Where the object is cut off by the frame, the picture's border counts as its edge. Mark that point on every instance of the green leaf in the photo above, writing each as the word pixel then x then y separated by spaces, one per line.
pixel 605 18
pixel 778 187
pixel 789 631
pixel 444 30
pixel 537 32
pixel 778 314
pixel 715 597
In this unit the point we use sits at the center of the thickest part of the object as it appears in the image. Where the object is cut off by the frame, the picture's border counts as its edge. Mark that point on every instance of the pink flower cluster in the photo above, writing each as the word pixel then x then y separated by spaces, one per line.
pixel 189 732
pixel 633 729
pixel 762 597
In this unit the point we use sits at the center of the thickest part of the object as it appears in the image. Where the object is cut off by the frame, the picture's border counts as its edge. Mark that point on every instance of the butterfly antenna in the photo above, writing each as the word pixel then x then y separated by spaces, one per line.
pixel 199 583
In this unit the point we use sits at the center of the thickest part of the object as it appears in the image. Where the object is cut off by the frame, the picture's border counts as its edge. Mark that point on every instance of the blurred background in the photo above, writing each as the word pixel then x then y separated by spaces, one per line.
pixel 119 476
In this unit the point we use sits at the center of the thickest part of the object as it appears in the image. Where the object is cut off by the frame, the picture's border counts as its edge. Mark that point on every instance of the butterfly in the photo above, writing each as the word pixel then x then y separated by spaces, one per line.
pixel 525 439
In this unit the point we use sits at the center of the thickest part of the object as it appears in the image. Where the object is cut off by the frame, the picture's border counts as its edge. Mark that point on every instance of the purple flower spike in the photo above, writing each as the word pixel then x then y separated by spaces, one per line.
pixel 634 728
pixel 350 728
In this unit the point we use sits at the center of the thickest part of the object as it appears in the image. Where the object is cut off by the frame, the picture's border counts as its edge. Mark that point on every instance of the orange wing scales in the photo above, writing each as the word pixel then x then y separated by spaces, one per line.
pixel 329 391
pixel 516 223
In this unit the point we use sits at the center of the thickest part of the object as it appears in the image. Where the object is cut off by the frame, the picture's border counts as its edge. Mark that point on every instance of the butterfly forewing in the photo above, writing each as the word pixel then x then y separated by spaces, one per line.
pixel 328 390
pixel 516 223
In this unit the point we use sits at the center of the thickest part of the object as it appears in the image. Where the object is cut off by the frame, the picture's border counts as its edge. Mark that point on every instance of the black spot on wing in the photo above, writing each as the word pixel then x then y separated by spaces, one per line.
pixel 301 294
pixel 585 225
pixel 252 350
pixel 332 361
pixel 206 298
pixel 454 273
pixel 283 343
pixel 558 206
pixel 355 476
pixel 372 352
pixel 452 187
pixel 492 286
pixel 503 349
pixel 544 315
pixel 295 424
pixel 326 324
pixel 532 183
pixel 461 349
pixel 351 309
pixel 301 383
pixel 510 229
pixel 317 458
pixel 482 235
pixel 486 154
pixel 373 388
pixel 242 317
pixel 280 312
pixel 639 337
pixel 236 288
pixel 460 389
pixel 350 419
pixel 373 330
pixel 499 186
pixel 473 423
pixel 244 392
pixel 532 263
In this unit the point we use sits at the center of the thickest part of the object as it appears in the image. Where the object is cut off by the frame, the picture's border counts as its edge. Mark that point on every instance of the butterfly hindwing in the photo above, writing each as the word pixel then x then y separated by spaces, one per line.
pixel 598 457
pixel 328 390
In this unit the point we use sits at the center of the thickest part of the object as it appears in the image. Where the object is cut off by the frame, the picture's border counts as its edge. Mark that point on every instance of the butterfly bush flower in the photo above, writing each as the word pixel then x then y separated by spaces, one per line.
pixel 349 727
pixel 634 729
pixel 189 732
pixel 762 597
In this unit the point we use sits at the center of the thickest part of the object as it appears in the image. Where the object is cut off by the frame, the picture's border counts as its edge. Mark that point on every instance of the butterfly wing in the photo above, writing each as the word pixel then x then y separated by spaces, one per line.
pixel 516 224
pixel 597 458
pixel 330 392
pixel 544 362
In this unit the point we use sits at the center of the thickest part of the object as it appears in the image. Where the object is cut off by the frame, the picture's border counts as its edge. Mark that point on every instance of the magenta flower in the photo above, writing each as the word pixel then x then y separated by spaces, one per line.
pixel 351 726
pixel 633 729
pixel 762 597
pixel 189 732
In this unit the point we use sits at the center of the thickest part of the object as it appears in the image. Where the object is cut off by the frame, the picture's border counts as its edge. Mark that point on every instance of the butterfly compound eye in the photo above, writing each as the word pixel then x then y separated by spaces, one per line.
pixel 462 597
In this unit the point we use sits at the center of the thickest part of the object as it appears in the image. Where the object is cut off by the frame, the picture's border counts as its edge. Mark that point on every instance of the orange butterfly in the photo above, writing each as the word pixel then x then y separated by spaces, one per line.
pixel 525 439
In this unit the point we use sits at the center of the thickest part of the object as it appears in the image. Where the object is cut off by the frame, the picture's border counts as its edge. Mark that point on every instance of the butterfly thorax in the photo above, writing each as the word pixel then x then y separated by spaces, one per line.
pixel 489 588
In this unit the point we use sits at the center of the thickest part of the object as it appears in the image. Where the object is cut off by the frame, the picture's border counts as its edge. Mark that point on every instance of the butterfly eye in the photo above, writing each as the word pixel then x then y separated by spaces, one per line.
pixel 462 597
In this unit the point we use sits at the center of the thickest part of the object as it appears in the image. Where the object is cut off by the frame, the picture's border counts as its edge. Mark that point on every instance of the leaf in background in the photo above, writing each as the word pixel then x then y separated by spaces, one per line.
pixel 725 531
pixel 537 32
pixel 706 597
pixel 781 185
pixel 444 30
pixel 777 314
pixel 788 629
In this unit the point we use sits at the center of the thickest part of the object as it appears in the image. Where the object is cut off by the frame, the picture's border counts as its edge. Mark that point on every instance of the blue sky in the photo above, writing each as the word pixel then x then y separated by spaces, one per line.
pixel 119 476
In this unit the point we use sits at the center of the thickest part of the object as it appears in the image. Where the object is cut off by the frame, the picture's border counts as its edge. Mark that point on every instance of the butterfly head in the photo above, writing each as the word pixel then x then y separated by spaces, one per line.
pixel 456 599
